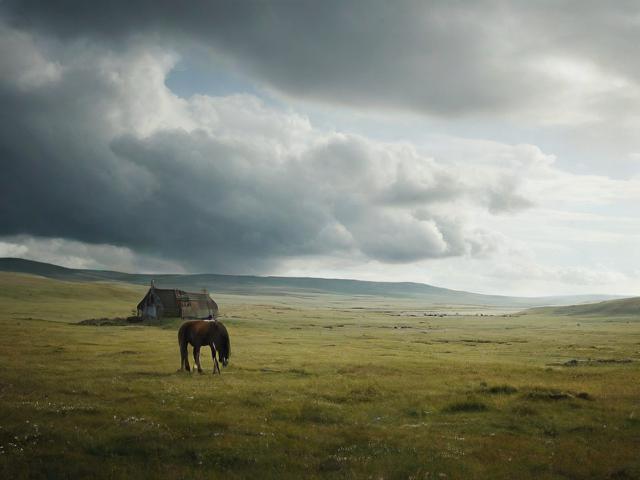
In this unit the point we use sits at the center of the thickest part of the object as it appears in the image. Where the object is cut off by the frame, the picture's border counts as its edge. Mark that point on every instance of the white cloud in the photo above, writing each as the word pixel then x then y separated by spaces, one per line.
pixel 74 254
pixel 11 249
pixel 577 89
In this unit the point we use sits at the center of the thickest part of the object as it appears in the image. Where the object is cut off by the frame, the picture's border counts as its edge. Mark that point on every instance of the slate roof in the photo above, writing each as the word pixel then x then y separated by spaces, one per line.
pixel 178 303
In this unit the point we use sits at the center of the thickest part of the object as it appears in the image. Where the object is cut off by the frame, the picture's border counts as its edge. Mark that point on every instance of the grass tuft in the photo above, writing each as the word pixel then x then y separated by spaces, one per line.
pixel 524 410
pixel 547 395
pixel 366 394
pixel 500 390
pixel 314 413
pixel 466 406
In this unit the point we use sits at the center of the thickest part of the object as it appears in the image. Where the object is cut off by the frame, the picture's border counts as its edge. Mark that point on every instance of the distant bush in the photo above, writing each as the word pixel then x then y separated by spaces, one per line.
pixel 541 394
pixel 465 406
pixel 501 389
pixel 554 395
pixel 102 322
pixel 584 396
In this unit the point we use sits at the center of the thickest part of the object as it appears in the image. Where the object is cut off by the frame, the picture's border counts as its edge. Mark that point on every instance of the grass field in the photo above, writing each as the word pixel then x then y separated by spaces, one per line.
pixel 317 387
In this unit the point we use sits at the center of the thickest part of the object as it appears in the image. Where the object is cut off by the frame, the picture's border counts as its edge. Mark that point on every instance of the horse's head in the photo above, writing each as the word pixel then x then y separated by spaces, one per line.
pixel 224 351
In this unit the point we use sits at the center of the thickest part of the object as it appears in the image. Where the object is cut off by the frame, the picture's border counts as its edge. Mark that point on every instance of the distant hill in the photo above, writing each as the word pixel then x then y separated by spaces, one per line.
pixel 29 296
pixel 625 306
pixel 255 285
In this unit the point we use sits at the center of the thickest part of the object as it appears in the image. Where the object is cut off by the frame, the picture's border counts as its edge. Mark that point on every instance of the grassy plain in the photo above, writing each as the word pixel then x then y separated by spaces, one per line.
pixel 317 386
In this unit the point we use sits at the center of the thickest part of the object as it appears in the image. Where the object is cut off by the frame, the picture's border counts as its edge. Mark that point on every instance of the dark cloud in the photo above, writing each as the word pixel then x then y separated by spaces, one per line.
pixel 440 57
pixel 94 148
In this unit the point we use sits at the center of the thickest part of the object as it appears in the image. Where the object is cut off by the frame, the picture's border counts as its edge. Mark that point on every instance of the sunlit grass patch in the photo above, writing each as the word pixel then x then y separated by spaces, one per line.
pixel 317 413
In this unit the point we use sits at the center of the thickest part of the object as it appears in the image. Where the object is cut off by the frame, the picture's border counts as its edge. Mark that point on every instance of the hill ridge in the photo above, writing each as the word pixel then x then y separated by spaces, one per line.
pixel 278 285
pixel 617 307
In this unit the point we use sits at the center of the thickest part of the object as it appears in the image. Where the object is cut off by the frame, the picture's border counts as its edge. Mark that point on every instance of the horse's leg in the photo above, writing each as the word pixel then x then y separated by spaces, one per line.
pixel 196 357
pixel 184 354
pixel 215 360
pixel 184 357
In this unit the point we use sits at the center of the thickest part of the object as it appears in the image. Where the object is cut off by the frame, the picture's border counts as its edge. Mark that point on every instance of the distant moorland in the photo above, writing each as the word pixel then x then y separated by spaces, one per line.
pixel 254 285
pixel 318 386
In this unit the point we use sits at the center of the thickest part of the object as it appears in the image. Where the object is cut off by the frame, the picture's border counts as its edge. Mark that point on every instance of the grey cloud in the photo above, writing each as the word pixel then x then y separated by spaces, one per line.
pixel 380 234
pixel 503 196
pixel 76 254
pixel 102 153
pixel 415 186
pixel 439 57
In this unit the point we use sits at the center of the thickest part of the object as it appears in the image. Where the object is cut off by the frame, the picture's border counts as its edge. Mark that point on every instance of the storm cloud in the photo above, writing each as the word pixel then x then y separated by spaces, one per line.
pixel 445 142
pixel 444 58
pixel 438 57
pixel 95 148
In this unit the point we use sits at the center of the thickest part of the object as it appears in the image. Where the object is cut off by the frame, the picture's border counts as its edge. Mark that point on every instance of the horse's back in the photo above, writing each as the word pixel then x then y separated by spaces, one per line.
pixel 186 326
pixel 195 331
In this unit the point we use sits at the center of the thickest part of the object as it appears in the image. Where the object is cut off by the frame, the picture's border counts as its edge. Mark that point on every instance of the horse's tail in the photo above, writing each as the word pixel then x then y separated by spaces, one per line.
pixel 182 343
pixel 226 344
pixel 181 335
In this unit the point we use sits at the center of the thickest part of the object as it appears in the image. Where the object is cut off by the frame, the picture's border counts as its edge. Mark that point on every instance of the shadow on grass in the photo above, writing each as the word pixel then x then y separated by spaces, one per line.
pixel 149 374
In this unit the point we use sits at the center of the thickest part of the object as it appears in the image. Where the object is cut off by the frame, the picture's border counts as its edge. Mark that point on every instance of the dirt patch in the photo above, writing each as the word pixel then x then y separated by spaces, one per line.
pixel 555 395
pixel 594 361
pixel 107 322
pixel 465 406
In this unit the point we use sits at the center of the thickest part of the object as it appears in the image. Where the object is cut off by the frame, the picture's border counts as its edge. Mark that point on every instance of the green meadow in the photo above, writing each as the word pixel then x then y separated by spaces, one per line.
pixel 317 386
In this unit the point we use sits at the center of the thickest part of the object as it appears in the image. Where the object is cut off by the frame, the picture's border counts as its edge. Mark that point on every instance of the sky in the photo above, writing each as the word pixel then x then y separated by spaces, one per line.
pixel 488 146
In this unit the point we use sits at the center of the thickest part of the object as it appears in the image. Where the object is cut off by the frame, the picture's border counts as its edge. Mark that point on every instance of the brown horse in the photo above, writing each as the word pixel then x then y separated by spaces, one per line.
pixel 201 333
